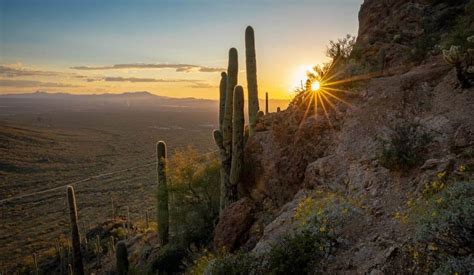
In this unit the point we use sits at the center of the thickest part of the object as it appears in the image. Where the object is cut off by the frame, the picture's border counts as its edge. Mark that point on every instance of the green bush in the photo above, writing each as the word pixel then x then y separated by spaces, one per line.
pixel 443 223
pixel 405 147
pixel 446 219
pixel 462 28
pixel 193 185
pixel 235 264
pixel 298 253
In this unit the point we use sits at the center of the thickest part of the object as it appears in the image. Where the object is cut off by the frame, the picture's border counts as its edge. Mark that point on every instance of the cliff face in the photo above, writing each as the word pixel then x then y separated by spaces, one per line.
pixel 304 151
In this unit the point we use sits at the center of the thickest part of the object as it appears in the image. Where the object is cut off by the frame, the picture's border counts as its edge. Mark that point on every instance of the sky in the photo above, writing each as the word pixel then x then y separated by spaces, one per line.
pixel 173 48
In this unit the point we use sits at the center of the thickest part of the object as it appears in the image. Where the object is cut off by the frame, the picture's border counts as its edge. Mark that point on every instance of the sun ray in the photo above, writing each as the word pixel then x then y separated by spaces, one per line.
pixel 315 106
pixel 338 90
pixel 305 113
pixel 330 103
pixel 325 111
pixel 337 98
pixel 352 79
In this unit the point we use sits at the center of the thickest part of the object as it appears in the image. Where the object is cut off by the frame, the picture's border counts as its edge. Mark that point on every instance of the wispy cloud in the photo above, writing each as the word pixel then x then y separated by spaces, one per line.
pixel 17 70
pixel 202 86
pixel 33 83
pixel 178 67
pixel 138 79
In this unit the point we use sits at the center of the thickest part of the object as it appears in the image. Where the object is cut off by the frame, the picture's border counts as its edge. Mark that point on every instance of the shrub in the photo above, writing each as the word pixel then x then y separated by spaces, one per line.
pixel 446 219
pixel 298 253
pixel 169 260
pixel 234 264
pixel 322 217
pixel 193 184
pixel 341 48
pixel 405 147
pixel 462 28
pixel 443 223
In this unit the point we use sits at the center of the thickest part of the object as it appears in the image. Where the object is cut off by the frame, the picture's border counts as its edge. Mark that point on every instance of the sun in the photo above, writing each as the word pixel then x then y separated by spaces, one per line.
pixel 315 86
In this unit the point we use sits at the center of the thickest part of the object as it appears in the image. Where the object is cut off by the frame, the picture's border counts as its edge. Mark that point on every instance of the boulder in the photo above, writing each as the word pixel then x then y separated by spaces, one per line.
pixel 234 224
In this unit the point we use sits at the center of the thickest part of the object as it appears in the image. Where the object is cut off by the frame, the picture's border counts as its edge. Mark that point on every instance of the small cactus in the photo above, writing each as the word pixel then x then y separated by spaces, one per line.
pixel 266 103
pixel 76 239
pixel 237 143
pixel 252 87
pixel 278 109
pixel 453 56
pixel 162 209
pixel 121 255
pixel 462 62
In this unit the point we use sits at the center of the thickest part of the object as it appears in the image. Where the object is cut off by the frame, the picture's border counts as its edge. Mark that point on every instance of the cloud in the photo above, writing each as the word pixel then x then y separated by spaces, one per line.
pixel 33 83
pixel 136 79
pixel 178 67
pixel 202 86
pixel 15 70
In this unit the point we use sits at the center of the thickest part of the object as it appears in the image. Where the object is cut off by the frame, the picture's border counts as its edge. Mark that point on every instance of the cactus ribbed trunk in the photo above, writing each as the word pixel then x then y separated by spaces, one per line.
pixel 76 240
pixel 121 256
pixel 162 211
pixel 223 137
pixel 266 103
pixel 237 142
pixel 251 69
pixel 222 96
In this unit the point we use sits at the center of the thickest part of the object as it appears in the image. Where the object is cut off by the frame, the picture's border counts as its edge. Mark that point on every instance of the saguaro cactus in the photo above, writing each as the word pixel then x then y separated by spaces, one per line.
pixel 266 103
pixel 162 211
pixel 121 256
pixel 251 63
pixel 76 240
pixel 222 96
pixel 237 142
pixel 223 137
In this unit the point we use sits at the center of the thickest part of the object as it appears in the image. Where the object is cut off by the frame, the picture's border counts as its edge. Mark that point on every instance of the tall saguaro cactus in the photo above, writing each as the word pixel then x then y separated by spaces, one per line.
pixel 223 137
pixel 237 142
pixel 251 63
pixel 162 194
pixel 76 240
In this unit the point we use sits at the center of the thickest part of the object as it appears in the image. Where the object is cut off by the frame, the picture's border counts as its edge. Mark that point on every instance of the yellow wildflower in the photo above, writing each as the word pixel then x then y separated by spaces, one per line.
pixel 462 168
pixel 441 174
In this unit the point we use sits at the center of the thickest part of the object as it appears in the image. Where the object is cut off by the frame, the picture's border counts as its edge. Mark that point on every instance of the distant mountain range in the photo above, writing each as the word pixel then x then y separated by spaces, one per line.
pixel 136 101
pixel 103 102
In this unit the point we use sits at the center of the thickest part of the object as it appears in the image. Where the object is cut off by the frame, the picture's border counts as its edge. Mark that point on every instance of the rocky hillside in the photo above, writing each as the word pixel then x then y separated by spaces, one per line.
pixel 373 175
pixel 402 33
pixel 378 151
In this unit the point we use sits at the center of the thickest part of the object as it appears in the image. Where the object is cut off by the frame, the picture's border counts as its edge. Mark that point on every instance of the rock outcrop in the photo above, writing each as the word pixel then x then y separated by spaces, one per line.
pixel 234 223
pixel 403 32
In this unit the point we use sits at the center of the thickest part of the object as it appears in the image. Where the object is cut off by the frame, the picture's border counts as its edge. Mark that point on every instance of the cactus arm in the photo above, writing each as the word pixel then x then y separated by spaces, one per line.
pixel 217 134
pixel 222 96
